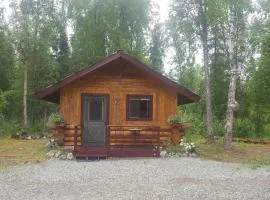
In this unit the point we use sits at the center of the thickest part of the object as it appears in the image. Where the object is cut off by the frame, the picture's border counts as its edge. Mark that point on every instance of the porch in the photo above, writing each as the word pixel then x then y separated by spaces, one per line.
pixel 120 141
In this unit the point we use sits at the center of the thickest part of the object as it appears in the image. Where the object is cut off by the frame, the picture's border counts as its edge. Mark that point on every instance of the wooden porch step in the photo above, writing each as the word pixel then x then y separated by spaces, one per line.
pixel 91 152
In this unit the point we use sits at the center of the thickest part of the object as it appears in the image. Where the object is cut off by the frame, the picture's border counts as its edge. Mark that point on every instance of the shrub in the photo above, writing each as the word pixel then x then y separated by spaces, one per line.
pixel 56 118
pixel 184 148
pixel 187 147
pixel 175 119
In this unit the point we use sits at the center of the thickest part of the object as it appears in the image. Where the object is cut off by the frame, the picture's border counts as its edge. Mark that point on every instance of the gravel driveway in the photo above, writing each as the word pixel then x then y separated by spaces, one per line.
pixel 172 178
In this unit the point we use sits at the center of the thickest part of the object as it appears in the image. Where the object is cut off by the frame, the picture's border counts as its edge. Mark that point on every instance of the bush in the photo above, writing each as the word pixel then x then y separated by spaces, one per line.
pixel 244 128
pixel 183 148
pixel 7 128
pixel 175 119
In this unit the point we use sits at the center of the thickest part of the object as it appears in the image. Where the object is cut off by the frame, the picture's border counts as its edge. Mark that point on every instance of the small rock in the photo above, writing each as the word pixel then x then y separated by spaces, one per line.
pixel 57 154
pixel 193 155
pixel 69 156
pixel 50 154
pixel 163 153
pixel 180 155
pixel 28 137
pixel 51 144
pixel 63 157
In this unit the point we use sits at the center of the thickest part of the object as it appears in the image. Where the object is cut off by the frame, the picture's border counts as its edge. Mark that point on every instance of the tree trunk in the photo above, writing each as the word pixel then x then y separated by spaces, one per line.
pixel 230 112
pixel 233 59
pixel 25 96
pixel 204 39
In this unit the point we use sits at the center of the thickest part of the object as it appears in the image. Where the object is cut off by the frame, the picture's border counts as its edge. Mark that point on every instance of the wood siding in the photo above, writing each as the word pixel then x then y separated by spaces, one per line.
pixel 118 83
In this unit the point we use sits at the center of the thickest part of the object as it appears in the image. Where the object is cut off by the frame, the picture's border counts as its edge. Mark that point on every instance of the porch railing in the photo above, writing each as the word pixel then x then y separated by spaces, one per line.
pixel 133 137
pixel 126 137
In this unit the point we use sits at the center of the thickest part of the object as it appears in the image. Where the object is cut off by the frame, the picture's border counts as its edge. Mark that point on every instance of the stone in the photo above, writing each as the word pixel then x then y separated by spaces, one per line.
pixel 163 153
pixel 28 137
pixel 63 157
pixel 69 156
pixel 57 154
pixel 50 154
pixel 193 155
pixel 51 144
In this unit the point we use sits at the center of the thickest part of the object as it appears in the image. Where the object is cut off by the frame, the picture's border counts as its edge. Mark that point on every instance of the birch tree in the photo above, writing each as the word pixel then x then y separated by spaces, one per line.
pixel 235 31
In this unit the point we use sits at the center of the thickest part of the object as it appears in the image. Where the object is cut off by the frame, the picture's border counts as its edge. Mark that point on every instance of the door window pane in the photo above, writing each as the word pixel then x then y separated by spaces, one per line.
pixel 96 109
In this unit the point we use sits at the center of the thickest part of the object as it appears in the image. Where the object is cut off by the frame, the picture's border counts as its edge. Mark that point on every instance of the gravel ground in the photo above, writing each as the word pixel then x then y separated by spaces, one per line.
pixel 170 178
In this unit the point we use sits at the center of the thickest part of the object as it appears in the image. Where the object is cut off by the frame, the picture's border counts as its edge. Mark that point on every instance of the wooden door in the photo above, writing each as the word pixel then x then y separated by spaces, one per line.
pixel 95 112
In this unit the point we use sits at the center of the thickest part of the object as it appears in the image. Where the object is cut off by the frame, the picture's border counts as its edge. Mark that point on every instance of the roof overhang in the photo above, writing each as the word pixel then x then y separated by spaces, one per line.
pixel 52 92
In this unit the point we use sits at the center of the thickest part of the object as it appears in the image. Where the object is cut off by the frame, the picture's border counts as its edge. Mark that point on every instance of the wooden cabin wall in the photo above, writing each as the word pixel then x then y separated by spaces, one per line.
pixel 118 85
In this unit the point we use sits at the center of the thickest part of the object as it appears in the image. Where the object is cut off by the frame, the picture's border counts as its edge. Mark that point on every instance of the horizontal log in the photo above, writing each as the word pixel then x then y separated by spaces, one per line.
pixel 72 138
pixel 133 144
pixel 72 143
pixel 71 131
pixel 72 134
pixel 140 134
pixel 150 129
pixel 71 126
pixel 133 137
pixel 134 141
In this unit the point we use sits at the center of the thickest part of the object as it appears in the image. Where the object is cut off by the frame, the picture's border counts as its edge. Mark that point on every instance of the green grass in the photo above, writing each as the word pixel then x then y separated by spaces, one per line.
pixel 17 152
pixel 254 155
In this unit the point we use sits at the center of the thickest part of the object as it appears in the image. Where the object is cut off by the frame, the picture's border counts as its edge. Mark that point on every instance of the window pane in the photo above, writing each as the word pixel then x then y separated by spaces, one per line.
pixel 134 108
pixel 96 109
pixel 139 107
pixel 144 108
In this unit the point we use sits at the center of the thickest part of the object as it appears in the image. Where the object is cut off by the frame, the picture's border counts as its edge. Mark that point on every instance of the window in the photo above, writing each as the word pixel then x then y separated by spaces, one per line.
pixel 139 107
pixel 96 109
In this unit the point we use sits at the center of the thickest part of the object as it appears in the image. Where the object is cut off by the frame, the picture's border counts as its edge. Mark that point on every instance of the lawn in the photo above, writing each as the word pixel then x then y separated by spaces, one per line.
pixel 254 155
pixel 17 152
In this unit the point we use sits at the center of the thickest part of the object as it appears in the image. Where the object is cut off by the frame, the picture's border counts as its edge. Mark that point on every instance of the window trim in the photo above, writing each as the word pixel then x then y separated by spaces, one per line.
pixel 150 118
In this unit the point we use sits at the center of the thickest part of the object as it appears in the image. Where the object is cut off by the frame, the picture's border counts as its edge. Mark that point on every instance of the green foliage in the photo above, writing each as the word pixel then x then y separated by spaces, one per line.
pixel 6 61
pixel 244 128
pixel 184 147
pixel 4 103
pixel 10 127
pixel 56 118
pixel 157 48
pixel 175 119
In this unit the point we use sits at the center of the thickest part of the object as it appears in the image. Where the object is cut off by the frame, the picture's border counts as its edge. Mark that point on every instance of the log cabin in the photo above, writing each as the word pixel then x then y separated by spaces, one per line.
pixel 117 107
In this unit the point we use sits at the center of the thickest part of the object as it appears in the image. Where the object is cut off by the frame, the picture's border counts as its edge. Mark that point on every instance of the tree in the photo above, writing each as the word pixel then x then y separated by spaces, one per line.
pixel 103 27
pixel 6 58
pixel 157 47
pixel 235 32
pixel 193 19
pixel 33 28
pixel 204 34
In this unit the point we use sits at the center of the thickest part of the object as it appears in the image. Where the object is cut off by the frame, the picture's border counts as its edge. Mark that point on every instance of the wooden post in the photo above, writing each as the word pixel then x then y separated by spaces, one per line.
pixel 75 140
pixel 158 141
pixel 108 139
